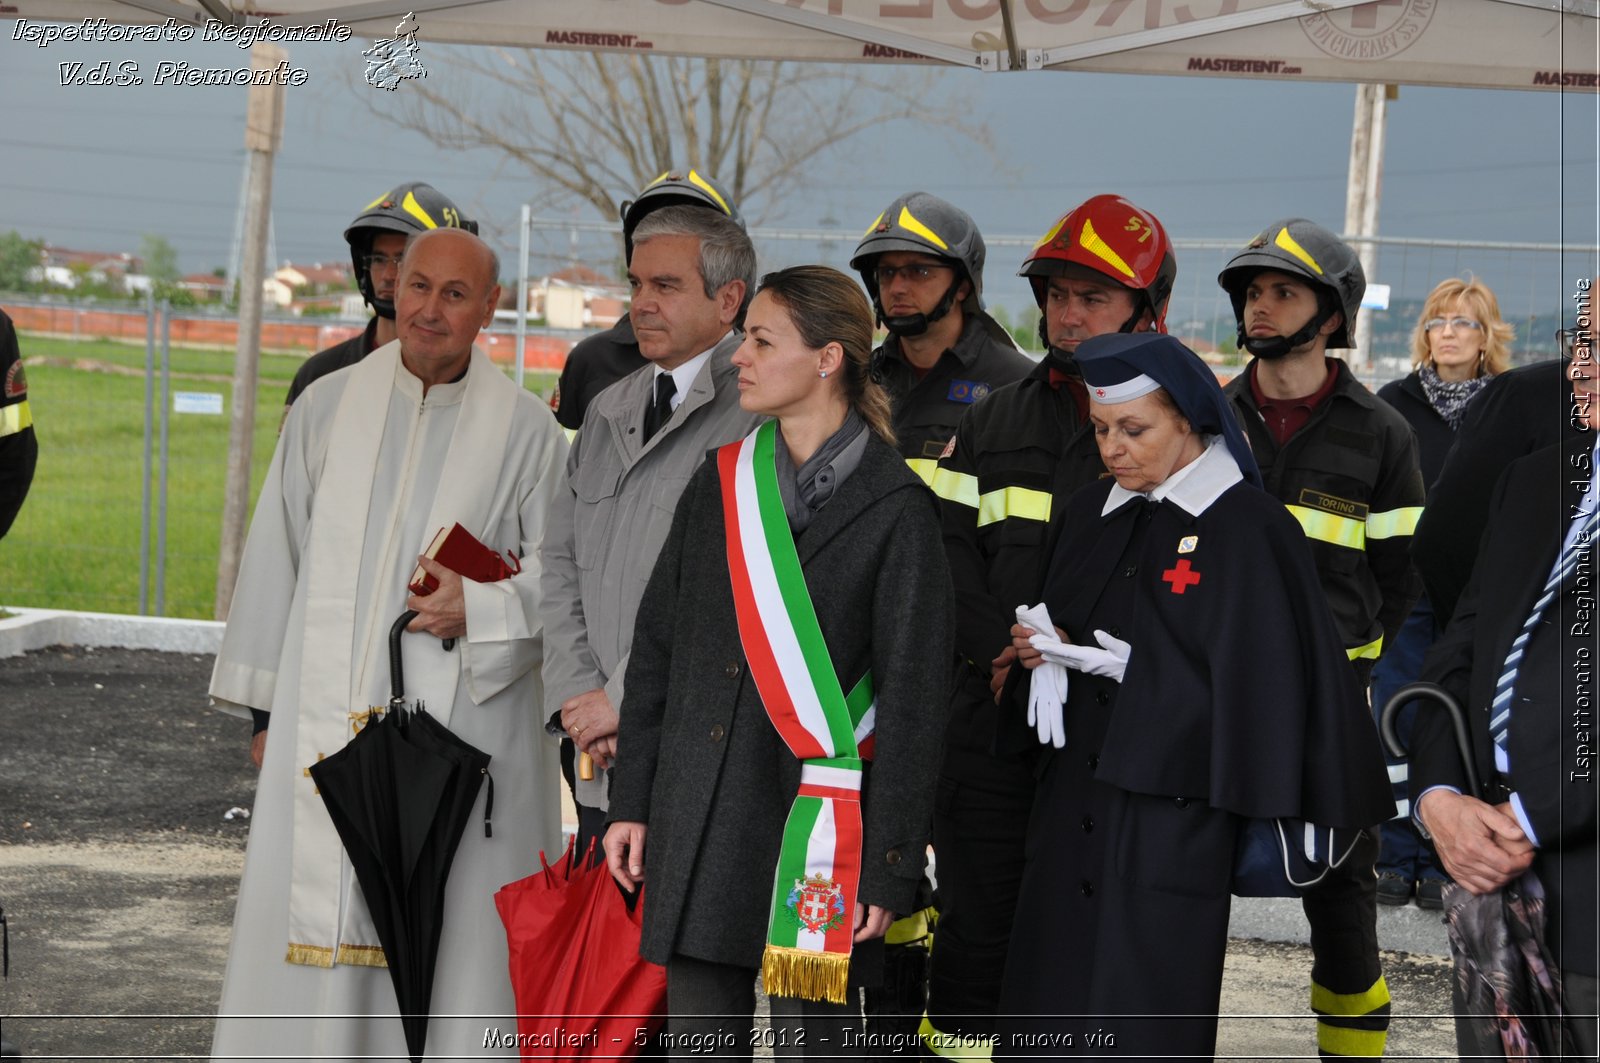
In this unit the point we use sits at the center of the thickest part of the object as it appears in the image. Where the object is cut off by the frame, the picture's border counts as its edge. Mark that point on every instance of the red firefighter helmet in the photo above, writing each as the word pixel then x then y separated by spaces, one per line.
pixel 1110 236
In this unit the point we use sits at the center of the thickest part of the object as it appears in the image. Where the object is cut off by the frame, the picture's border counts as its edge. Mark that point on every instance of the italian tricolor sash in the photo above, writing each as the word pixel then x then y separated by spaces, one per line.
pixel 819 863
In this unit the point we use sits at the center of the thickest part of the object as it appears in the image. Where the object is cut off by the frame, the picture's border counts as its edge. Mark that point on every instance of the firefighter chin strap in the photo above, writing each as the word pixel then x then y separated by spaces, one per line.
pixel 1269 348
pixel 917 324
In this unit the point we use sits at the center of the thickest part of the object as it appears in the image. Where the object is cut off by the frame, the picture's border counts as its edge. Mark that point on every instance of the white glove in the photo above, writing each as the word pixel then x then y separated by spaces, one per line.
pixel 1110 661
pixel 1047 684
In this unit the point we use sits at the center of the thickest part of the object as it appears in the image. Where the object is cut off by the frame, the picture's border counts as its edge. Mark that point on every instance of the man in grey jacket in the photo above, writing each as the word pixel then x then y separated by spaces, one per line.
pixel 692 274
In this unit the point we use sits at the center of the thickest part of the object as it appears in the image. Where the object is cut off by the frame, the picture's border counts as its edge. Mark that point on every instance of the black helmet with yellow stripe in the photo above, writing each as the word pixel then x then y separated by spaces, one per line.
pixel 407 209
pixel 1305 250
pixel 689 188
pixel 923 223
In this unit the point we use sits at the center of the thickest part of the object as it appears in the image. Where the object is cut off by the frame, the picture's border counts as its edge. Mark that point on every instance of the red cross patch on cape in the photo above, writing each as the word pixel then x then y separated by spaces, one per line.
pixel 1182 576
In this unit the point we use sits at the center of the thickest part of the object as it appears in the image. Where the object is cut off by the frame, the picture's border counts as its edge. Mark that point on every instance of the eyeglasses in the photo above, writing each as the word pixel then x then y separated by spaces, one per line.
pixel 1460 324
pixel 1575 342
pixel 916 273
pixel 375 262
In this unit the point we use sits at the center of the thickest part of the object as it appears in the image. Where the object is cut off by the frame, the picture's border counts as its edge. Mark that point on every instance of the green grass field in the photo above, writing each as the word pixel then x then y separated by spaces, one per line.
pixel 75 544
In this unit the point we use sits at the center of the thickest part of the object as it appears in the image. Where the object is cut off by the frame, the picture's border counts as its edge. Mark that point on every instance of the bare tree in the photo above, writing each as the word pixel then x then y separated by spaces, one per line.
pixel 594 127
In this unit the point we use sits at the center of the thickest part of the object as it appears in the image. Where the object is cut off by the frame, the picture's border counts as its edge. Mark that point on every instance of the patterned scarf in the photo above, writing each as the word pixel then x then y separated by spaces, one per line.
pixel 1449 398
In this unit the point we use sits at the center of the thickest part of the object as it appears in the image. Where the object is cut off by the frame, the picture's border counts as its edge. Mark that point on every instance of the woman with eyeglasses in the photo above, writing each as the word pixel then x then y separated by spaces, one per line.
pixel 1459 344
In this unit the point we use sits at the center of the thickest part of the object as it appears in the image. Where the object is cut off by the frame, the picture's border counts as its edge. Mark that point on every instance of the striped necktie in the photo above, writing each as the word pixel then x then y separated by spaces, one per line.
pixel 1580 539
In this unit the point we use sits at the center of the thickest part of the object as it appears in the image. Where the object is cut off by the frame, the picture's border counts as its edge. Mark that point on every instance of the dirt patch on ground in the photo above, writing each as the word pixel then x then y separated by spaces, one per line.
pixel 117 869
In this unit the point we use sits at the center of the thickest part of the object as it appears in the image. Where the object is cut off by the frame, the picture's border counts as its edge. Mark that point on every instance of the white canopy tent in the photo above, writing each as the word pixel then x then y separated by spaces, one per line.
pixel 1521 44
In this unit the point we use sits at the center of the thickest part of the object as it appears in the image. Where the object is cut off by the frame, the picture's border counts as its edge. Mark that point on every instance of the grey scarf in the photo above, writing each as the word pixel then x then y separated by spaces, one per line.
pixel 808 488
pixel 1449 398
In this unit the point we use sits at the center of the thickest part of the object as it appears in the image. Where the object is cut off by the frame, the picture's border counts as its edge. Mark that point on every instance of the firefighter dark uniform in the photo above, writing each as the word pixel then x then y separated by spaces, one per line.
pixel 929 236
pixel 1350 476
pixel 927 410
pixel 19 449
pixel 1018 456
pixel 332 359
pixel 594 364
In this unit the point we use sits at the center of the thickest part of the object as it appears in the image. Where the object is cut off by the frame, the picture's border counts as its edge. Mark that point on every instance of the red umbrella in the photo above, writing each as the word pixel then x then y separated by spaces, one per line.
pixel 582 988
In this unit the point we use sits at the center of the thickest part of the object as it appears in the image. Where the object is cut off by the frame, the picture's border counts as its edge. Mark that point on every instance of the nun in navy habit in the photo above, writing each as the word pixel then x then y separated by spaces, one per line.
pixel 1204 685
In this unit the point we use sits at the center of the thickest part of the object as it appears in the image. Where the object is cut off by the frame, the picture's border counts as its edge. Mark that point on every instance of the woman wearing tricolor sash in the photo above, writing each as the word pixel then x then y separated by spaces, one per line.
pixel 786 694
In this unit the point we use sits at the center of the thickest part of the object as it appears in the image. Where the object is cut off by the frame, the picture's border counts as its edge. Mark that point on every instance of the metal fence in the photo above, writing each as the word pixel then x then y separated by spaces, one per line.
pixel 125 511
pixel 1534 281
pixel 132 411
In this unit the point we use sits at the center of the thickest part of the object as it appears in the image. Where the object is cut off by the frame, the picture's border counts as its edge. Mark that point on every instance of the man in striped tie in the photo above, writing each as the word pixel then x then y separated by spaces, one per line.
pixel 1520 654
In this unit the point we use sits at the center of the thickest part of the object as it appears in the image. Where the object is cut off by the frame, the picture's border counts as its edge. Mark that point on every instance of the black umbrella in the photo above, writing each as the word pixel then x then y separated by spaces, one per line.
pixel 1507 990
pixel 400 794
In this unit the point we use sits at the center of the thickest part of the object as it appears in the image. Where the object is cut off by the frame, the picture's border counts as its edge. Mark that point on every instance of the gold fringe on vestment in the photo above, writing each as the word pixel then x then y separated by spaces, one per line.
pixel 322 956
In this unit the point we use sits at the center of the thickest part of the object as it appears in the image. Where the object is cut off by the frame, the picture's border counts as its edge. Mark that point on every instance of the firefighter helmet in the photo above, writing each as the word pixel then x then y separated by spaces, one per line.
pixel 1112 237
pixel 407 209
pixel 926 224
pixel 1305 250
pixel 689 188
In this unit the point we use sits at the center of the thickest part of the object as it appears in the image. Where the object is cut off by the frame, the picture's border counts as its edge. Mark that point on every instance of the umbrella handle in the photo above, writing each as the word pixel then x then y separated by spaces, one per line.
pixel 1458 720
pixel 397 680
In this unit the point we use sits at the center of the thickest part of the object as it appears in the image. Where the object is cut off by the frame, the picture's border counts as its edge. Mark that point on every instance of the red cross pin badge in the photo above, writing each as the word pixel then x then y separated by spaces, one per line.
pixel 1182 576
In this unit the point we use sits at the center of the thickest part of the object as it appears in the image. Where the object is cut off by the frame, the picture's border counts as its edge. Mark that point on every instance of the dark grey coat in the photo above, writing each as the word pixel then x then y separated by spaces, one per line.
pixel 698 759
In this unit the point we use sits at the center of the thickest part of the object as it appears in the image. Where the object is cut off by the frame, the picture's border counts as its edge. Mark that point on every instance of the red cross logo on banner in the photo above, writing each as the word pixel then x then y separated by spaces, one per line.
pixel 1181 576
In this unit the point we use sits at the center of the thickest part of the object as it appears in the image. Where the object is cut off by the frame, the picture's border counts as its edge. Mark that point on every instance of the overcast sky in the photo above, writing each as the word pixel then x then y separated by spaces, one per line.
pixel 98 167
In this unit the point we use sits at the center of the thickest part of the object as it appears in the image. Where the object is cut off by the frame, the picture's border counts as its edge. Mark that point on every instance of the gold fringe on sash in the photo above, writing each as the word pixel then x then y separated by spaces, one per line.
pixel 791 972
pixel 322 956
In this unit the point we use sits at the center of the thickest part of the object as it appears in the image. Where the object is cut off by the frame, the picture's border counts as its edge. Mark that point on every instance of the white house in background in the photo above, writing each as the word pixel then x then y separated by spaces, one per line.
pixel 576 297
pixel 64 267
pixel 206 287
pixel 293 280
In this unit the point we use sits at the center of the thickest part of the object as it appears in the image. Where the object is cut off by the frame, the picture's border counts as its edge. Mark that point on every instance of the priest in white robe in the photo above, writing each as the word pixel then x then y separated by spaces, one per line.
pixel 373 460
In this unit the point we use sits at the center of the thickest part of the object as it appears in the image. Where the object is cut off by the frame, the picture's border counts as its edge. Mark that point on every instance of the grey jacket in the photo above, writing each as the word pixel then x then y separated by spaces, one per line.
pixel 699 761
pixel 607 527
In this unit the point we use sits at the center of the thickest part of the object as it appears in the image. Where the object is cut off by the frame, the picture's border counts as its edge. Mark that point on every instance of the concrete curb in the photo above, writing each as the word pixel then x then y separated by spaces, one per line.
pixel 34 629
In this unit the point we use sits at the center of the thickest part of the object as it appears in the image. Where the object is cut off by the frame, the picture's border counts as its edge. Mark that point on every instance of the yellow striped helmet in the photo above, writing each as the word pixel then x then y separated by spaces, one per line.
pixel 1306 250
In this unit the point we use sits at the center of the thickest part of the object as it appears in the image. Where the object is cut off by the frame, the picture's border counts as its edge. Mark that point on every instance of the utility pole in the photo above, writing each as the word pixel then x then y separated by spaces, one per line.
pixel 263 133
pixel 1363 193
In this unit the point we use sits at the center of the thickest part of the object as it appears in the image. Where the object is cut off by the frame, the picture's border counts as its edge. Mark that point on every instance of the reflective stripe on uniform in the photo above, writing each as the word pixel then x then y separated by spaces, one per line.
pixel 1022 502
pixel 1345 1020
pixel 967 1047
pixel 15 418
pixel 1393 522
pixel 958 487
pixel 1330 527
pixel 924 468
pixel 1327 1002
pixel 912 929
pixel 1372 649
pixel 1343 1041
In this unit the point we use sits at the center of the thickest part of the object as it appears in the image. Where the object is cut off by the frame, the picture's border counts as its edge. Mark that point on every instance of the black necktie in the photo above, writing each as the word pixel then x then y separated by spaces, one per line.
pixel 660 411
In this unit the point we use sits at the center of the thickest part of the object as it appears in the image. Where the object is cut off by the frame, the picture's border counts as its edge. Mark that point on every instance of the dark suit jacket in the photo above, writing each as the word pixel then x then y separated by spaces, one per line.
pixel 1518 412
pixel 1551 737
pixel 699 760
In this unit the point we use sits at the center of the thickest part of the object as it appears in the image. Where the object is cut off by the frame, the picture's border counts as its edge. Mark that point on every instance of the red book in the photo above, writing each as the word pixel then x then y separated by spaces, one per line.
pixel 460 551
